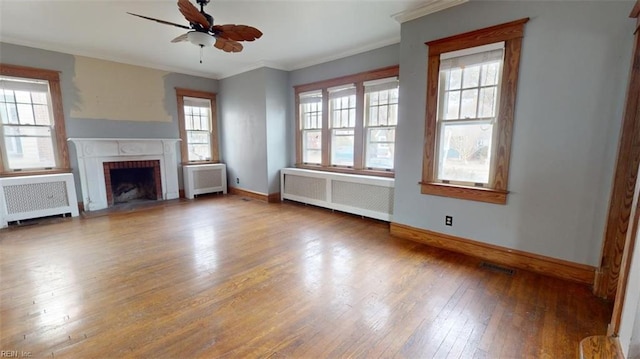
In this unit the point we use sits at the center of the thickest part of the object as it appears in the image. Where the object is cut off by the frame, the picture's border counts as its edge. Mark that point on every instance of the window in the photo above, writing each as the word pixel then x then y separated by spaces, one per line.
pixel 471 92
pixel 348 124
pixel 311 126
pixel 342 118
pixel 32 122
pixel 198 126
pixel 381 118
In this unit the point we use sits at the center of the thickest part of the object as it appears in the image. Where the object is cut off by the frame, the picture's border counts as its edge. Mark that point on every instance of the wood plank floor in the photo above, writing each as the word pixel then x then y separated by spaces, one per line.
pixel 223 277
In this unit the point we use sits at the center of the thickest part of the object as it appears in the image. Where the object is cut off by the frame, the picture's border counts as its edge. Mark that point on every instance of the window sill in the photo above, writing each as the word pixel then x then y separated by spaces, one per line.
pixel 34 173
pixel 462 192
pixel 348 171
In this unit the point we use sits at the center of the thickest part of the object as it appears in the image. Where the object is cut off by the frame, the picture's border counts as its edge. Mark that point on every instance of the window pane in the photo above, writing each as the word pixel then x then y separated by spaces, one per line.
pixel 490 74
pixel 312 146
pixel 394 95
pixel 188 119
pixel 199 152
pixel 471 76
pixel 464 152
pixel 13 113
pixel 342 147
pixel 373 116
pixel 385 111
pixel 455 79
pixel 311 114
pixel 25 114
pixel 393 115
pixel 383 119
pixel 23 96
pixel 4 115
pixel 373 98
pixel 343 113
pixel 469 103
pixel 452 105
pixel 204 124
pixel 380 148
pixel 487 102
pixel 41 114
pixel 384 97
pixel 198 137
pixel 9 96
pixel 29 152
pixel 39 98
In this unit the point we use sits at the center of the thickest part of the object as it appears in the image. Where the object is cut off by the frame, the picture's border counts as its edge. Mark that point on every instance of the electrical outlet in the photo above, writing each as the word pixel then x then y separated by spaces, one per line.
pixel 448 220
pixel 237 180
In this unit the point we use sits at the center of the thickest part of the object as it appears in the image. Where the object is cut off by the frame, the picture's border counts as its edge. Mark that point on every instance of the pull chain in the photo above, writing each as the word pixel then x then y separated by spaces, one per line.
pixel 201 49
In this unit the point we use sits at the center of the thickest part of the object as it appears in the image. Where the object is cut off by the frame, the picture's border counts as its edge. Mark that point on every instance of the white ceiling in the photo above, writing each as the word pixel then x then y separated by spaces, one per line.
pixel 297 33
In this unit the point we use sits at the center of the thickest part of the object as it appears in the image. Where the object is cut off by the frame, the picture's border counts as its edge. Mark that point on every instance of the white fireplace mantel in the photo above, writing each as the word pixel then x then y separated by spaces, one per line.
pixel 93 152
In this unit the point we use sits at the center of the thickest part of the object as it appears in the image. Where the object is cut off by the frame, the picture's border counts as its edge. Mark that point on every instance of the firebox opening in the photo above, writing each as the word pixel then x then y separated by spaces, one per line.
pixel 130 184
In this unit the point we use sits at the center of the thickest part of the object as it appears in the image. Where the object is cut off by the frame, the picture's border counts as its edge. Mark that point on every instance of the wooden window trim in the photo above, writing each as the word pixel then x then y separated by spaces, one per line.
pixel 359 140
pixel 62 151
pixel 511 33
pixel 181 93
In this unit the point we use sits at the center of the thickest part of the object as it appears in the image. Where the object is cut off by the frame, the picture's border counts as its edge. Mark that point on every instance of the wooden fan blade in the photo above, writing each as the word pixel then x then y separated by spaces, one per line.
pixel 237 32
pixel 160 21
pixel 228 45
pixel 191 13
pixel 180 38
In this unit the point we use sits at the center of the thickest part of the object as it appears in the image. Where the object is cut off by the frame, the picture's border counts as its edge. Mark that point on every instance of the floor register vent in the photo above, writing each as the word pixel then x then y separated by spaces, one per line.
pixel 497 268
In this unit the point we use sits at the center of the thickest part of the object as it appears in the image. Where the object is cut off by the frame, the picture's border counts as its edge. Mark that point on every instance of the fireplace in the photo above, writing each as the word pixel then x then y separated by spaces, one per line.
pixel 96 156
pixel 127 181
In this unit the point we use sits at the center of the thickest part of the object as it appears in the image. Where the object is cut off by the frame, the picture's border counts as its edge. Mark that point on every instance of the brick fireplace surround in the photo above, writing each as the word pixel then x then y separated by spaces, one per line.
pixel 108 166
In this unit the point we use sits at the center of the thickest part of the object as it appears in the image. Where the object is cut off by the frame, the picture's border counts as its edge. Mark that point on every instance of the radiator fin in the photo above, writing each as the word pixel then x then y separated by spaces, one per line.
pixel 359 195
pixel 35 196
pixel 308 187
pixel 207 179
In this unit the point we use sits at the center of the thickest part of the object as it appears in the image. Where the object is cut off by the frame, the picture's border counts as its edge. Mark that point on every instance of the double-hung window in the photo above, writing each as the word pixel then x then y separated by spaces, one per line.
pixel 31 121
pixel 467 98
pixel 381 118
pixel 472 80
pixel 198 129
pixel 311 126
pixel 348 124
pixel 342 118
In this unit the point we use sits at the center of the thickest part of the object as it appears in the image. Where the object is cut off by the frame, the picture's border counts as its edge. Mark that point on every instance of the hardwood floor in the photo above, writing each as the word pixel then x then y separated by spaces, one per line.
pixel 223 277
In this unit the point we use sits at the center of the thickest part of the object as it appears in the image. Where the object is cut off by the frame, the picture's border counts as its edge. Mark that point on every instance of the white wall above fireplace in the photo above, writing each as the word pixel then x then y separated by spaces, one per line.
pixel 93 152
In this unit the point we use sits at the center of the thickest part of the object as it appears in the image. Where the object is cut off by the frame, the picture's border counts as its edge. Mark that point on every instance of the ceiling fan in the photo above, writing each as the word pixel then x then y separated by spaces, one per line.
pixel 204 33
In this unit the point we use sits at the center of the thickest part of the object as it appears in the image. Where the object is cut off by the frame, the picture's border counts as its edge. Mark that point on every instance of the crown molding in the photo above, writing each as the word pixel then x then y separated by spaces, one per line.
pixel 426 9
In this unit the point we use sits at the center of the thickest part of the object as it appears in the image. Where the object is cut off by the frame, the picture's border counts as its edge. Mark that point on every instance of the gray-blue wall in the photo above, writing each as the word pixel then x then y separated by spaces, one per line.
pixel 573 74
pixel 255 142
pixel 242 108
pixel 279 138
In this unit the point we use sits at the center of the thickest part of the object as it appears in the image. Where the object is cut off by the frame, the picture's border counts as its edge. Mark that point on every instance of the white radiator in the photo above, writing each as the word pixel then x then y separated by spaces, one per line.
pixel 27 197
pixel 363 195
pixel 199 179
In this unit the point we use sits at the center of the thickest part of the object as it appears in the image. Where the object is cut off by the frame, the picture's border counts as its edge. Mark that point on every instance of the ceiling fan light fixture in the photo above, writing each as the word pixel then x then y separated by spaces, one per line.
pixel 201 39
